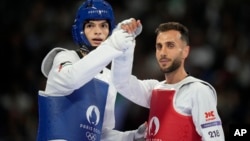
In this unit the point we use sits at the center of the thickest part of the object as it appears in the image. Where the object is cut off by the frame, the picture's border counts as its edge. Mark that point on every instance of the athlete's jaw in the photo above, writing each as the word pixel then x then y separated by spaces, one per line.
pixel 169 65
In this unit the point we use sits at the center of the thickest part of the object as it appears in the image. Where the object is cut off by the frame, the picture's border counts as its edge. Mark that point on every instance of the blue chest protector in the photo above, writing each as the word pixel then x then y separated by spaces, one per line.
pixel 75 117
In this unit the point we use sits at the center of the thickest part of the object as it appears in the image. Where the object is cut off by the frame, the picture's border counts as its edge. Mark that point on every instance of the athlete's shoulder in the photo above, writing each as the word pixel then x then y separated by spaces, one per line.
pixel 196 82
pixel 201 86
pixel 49 58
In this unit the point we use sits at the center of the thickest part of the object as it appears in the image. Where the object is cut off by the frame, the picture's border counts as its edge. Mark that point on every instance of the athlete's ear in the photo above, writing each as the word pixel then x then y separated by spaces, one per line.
pixel 185 51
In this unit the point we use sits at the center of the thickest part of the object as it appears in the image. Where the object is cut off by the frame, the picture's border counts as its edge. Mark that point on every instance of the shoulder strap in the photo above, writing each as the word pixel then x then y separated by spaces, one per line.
pixel 78 51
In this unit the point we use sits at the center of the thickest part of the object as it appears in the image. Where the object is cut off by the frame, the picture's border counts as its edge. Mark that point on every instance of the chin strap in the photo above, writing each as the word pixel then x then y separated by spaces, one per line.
pixel 81 52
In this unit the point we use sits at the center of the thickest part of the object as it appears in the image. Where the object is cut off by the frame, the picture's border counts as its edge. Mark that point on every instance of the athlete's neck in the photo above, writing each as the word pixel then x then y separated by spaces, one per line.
pixel 175 77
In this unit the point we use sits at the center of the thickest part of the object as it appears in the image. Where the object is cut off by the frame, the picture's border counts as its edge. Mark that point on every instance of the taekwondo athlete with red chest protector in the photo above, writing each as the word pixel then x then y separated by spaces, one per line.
pixel 182 107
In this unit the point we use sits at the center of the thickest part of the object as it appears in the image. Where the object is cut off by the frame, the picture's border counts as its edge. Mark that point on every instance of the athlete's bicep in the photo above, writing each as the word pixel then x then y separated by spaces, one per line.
pixel 205 115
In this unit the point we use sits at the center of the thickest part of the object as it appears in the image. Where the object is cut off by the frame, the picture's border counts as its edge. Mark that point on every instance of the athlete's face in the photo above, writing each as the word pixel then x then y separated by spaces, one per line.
pixel 96 31
pixel 171 51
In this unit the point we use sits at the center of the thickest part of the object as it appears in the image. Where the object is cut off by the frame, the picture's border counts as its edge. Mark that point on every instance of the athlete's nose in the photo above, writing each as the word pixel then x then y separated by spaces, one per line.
pixel 98 30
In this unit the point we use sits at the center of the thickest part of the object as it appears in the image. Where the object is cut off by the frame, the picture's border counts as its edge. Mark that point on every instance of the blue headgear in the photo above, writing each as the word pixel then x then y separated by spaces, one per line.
pixel 91 10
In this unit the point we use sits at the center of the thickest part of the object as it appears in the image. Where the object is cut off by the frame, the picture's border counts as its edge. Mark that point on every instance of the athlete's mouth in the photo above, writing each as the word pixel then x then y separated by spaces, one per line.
pixel 97 40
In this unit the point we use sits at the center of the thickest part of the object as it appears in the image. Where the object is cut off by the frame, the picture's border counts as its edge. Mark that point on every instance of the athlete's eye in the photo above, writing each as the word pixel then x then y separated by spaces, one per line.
pixel 158 46
pixel 105 25
pixel 170 44
pixel 89 25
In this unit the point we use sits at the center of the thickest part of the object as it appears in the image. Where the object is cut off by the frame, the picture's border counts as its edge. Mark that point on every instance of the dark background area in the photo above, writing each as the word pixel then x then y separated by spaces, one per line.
pixel 220 47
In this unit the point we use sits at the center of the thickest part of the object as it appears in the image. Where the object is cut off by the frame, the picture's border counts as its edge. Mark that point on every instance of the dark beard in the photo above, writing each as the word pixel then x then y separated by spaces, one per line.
pixel 176 64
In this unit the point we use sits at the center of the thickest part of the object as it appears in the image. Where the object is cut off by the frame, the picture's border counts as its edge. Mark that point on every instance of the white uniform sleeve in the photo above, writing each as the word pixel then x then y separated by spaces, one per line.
pixel 205 115
pixel 77 72
pixel 137 91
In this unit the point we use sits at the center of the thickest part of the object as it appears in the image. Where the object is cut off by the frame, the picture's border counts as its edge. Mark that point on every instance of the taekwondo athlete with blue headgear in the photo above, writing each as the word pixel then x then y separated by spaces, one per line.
pixel 79 99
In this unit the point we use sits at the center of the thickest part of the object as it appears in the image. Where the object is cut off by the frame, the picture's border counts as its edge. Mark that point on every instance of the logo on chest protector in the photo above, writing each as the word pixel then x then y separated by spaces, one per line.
pixel 154 126
pixel 93 115
pixel 93 118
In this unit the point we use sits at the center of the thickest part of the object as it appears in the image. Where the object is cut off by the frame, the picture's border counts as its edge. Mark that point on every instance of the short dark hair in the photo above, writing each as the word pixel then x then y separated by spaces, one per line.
pixel 174 26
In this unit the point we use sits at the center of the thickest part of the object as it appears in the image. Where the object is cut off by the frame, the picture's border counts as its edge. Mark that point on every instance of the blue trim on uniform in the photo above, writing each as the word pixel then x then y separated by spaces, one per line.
pixel 214 123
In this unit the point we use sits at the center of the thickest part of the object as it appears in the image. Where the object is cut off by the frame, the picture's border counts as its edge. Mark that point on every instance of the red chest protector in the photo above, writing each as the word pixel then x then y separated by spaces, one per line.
pixel 165 124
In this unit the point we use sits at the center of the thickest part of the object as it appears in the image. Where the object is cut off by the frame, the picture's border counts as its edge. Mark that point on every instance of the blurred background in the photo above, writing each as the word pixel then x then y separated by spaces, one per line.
pixel 220 48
